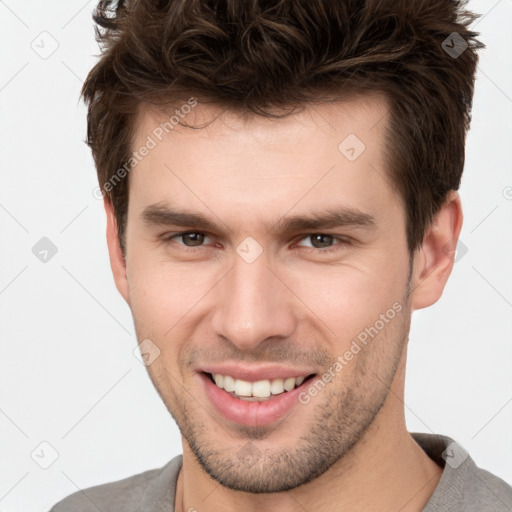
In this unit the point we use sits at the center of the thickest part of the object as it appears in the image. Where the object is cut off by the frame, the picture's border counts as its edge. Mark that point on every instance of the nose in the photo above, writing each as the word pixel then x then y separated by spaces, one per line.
pixel 253 305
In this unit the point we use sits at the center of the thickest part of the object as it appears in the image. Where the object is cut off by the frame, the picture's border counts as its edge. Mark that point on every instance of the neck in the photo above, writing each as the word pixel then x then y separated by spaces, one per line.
pixel 385 470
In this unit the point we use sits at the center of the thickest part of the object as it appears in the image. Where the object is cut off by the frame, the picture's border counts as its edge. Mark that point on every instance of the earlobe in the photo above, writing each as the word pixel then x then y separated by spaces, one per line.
pixel 434 260
pixel 117 260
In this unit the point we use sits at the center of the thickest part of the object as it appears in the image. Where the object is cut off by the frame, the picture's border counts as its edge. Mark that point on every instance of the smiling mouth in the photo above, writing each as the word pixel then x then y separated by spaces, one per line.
pixel 261 390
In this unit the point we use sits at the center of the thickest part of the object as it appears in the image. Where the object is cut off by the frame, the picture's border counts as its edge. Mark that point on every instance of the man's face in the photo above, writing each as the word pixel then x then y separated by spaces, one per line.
pixel 255 298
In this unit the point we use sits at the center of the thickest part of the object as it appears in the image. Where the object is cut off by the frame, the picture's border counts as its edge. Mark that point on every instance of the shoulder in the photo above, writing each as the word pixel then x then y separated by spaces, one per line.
pixel 485 491
pixel 130 494
pixel 463 485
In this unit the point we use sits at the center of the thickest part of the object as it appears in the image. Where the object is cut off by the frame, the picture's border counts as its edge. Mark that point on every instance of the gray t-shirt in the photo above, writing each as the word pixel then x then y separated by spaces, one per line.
pixel 463 486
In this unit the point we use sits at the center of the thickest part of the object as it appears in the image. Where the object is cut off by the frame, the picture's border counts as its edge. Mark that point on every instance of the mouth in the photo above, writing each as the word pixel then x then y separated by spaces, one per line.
pixel 254 403
pixel 260 390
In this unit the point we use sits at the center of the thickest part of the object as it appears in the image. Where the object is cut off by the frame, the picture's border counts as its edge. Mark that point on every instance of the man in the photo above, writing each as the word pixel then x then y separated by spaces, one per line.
pixel 280 186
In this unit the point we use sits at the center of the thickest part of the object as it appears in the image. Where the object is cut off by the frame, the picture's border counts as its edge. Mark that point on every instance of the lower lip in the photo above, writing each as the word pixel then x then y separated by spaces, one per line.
pixel 249 413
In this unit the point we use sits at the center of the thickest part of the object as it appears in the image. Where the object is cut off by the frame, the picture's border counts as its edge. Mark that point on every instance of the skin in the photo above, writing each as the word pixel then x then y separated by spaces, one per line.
pixel 348 448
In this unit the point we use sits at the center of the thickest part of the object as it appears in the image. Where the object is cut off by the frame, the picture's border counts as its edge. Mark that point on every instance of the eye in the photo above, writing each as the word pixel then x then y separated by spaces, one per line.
pixel 189 238
pixel 323 241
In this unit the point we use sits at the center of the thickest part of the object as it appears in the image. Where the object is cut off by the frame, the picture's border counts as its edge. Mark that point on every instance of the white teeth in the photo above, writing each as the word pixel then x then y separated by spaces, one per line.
pixel 289 383
pixel 229 383
pixel 259 389
pixel 277 386
pixel 243 388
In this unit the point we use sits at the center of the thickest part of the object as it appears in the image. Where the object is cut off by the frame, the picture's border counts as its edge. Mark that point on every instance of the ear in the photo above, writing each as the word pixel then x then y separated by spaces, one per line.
pixel 117 261
pixel 434 260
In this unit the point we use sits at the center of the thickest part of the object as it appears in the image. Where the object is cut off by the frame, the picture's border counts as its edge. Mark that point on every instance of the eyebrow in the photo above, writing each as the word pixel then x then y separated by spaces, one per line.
pixel 326 219
pixel 163 216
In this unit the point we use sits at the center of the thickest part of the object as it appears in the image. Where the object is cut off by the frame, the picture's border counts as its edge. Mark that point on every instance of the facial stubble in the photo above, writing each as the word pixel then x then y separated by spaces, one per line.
pixel 340 416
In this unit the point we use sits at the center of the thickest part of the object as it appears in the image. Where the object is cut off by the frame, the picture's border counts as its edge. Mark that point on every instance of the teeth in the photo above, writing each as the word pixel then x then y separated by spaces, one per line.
pixel 260 389
pixel 229 383
pixel 243 388
pixel 289 383
pixel 277 386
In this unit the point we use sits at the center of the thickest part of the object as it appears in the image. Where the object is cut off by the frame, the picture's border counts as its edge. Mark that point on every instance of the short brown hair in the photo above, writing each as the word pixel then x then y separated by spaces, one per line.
pixel 253 56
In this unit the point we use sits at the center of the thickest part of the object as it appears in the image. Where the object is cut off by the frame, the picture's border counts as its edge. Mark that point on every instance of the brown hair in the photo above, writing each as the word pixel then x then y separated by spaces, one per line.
pixel 254 56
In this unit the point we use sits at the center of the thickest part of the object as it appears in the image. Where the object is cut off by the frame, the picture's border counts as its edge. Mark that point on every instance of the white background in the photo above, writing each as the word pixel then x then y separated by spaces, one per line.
pixel 68 374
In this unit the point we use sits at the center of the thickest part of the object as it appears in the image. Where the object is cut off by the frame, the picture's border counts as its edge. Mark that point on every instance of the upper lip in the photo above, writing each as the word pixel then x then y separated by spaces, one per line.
pixel 254 373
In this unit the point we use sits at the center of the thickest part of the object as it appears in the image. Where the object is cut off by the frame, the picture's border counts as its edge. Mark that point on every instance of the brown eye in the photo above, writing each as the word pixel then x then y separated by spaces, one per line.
pixel 319 240
pixel 187 241
pixel 323 243
pixel 192 239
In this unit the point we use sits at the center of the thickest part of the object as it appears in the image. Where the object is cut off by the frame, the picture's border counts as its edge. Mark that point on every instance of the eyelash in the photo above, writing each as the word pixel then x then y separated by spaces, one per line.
pixel 342 241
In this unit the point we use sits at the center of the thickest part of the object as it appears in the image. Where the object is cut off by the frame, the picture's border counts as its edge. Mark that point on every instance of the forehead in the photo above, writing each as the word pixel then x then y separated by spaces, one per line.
pixel 362 113
pixel 324 153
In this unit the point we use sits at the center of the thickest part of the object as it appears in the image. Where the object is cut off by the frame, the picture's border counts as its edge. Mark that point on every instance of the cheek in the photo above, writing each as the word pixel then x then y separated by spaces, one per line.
pixel 162 303
pixel 168 297
pixel 162 293
pixel 350 297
